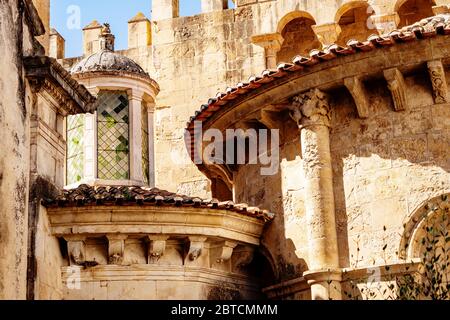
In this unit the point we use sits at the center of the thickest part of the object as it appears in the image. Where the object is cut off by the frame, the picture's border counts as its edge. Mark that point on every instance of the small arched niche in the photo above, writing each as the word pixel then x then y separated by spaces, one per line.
pixel 299 37
pixel 411 11
pixel 354 20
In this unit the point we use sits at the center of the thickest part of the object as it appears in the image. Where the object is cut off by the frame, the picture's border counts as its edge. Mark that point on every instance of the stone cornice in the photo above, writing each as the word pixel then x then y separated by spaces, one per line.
pixel 96 221
pixel 45 73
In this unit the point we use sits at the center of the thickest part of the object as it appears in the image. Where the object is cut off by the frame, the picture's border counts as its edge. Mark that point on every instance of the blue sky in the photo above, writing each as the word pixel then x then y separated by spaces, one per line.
pixel 116 12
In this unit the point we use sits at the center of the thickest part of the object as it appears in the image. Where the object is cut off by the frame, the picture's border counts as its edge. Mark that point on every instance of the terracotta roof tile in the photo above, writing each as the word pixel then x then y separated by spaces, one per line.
pixel 86 195
pixel 426 28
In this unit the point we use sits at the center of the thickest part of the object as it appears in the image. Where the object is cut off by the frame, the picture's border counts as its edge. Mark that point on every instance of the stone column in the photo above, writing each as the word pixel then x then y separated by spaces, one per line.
pixel 90 147
pixel 311 111
pixel 272 43
pixel 384 23
pixel 151 143
pixel 327 33
pixel 135 139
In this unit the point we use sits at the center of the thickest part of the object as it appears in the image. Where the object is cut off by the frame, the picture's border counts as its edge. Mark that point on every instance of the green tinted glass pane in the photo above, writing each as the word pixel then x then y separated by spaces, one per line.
pixel 113 135
pixel 75 148
pixel 145 149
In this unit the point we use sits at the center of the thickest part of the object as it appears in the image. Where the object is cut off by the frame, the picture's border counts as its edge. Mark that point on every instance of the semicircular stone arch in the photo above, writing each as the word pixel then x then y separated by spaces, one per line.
pixel 299 37
pixel 354 21
pixel 430 213
pixel 411 11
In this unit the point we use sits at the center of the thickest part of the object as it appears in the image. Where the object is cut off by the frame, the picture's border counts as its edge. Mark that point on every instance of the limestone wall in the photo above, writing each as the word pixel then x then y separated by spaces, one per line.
pixel 385 167
pixel 48 280
pixel 14 154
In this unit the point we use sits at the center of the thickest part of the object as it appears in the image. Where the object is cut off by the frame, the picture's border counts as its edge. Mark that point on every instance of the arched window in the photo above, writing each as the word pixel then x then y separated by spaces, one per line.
pixel 113 161
pixel 354 22
pixel 299 39
pixel 411 11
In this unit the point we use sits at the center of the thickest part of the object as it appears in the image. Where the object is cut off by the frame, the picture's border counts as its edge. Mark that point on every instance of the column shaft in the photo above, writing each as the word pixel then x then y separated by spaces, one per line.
pixel 135 141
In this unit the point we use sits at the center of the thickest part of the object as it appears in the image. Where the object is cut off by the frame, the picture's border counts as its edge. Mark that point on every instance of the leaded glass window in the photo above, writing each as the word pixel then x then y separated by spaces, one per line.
pixel 113 135
pixel 145 149
pixel 75 148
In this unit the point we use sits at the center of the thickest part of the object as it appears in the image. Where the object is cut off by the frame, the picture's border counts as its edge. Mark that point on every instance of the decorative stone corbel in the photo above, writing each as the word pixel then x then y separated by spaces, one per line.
pixel 311 108
pixel 156 248
pixel 327 33
pixel 272 43
pixel 438 80
pixel 396 84
pixel 359 94
pixel 223 251
pixel 76 250
pixel 242 257
pixel 116 248
pixel 195 247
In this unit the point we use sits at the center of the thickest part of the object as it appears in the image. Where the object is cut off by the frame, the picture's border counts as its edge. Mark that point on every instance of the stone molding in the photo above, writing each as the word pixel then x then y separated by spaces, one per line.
pixel 190 273
pixel 95 221
pixel 46 74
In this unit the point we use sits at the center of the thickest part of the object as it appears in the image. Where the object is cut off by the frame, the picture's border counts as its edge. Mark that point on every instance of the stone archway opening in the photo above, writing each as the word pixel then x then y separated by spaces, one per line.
pixel 299 38
pixel 354 22
pixel 411 11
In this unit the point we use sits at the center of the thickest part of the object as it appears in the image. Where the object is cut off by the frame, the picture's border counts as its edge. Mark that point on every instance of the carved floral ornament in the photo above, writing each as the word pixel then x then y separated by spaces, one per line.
pixel 311 108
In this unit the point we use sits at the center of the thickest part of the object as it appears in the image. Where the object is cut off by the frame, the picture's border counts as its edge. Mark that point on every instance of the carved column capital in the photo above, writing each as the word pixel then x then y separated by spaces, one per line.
pixel 272 43
pixel 327 33
pixel 311 108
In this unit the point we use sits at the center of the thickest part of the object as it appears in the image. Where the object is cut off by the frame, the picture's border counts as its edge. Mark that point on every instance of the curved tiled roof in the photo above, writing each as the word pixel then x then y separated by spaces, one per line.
pixel 107 60
pixel 426 28
pixel 86 195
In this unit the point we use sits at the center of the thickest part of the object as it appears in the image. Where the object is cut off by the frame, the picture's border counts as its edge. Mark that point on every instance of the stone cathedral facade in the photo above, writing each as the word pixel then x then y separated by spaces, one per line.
pixel 354 94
